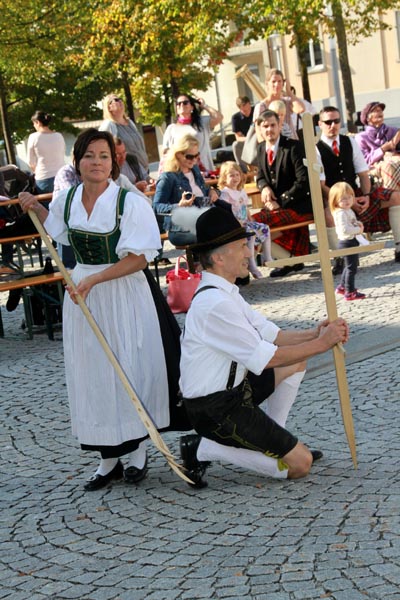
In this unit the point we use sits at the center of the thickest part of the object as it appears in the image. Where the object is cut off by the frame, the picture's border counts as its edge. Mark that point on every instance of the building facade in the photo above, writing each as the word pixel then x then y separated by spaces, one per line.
pixel 374 63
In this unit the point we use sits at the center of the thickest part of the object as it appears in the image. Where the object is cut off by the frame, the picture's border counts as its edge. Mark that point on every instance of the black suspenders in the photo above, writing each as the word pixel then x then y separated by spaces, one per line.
pixel 232 371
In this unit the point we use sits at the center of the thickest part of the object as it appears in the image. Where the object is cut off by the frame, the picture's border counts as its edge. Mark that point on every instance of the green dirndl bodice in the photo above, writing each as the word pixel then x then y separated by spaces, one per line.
pixel 93 248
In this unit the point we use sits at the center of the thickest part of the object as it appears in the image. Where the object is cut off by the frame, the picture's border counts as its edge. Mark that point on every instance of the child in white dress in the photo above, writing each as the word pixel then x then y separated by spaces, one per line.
pixel 230 183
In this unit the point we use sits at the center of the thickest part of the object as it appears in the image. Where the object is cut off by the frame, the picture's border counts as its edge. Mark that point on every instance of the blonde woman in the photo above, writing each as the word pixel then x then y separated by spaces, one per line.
pixel 279 89
pixel 181 184
pixel 117 122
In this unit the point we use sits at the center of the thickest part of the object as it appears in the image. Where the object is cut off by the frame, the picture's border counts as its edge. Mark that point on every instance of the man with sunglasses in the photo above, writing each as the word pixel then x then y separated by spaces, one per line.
pixel 342 160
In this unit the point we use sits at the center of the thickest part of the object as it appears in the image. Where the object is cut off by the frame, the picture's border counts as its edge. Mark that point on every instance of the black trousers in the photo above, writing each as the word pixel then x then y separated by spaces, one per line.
pixel 234 418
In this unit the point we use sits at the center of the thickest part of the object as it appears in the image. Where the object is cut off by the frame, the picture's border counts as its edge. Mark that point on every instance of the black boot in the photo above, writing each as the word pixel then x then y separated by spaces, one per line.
pixel 195 469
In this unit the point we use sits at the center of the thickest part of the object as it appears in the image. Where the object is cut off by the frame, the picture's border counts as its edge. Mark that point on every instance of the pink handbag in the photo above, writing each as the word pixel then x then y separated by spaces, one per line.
pixel 181 286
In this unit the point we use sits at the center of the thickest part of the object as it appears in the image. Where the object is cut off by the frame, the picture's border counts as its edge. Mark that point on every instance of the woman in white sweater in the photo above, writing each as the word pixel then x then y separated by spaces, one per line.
pixel 46 152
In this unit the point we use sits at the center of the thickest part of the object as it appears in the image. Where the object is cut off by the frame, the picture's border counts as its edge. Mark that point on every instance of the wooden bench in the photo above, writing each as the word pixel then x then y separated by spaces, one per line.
pixel 278 229
pixel 26 243
pixel 26 284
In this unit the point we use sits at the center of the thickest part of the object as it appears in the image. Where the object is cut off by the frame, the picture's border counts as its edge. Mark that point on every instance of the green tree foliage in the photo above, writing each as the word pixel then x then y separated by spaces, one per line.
pixel 36 38
pixel 162 47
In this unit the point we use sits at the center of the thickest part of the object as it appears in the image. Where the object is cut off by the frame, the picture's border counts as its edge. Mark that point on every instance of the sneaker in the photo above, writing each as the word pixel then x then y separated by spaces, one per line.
pixel 340 290
pixel 356 295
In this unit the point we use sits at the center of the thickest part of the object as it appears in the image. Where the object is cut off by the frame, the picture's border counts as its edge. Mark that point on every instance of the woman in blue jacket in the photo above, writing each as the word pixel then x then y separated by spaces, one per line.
pixel 181 185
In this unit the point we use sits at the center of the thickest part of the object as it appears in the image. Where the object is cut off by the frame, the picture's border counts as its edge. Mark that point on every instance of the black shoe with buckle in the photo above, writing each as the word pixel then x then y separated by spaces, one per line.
pixel 134 475
pixel 195 468
pixel 316 455
pixel 96 482
pixel 283 271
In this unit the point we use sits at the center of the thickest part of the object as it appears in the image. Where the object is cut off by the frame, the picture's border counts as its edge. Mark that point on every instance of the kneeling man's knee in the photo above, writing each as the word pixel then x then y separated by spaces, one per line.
pixel 299 461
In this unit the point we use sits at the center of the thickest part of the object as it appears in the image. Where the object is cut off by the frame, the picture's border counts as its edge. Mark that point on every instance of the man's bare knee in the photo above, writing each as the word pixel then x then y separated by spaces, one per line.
pixel 299 461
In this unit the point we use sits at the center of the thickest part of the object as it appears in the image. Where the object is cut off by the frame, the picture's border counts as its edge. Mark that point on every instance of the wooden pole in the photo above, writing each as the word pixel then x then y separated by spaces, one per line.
pixel 144 416
pixel 327 279
pixel 252 81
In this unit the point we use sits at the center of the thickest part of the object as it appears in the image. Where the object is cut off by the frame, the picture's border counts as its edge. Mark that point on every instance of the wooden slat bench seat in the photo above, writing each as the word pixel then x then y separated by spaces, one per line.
pixel 27 285
pixel 164 237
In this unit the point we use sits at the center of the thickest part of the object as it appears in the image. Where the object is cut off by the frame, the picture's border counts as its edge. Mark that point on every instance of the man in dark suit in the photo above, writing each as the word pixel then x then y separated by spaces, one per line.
pixel 283 181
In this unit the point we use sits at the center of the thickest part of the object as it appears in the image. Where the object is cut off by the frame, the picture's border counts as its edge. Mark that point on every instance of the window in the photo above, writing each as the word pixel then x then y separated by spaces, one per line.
pixel 275 49
pixel 314 55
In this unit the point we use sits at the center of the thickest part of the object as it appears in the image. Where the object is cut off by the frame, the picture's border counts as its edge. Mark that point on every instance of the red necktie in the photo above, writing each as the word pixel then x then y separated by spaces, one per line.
pixel 270 156
pixel 335 148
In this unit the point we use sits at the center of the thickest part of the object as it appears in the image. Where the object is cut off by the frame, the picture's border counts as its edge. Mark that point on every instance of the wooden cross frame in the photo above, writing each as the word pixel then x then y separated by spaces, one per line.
pixel 324 255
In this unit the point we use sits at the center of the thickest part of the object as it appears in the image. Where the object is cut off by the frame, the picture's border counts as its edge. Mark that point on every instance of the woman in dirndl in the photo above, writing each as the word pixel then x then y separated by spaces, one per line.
pixel 114 235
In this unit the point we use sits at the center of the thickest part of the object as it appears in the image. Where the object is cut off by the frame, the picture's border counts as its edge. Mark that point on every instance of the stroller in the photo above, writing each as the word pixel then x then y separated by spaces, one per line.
pixel 12 220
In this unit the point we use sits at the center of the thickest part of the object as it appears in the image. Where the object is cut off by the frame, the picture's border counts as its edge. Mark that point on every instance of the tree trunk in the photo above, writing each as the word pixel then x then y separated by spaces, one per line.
pixel 5 124
pixel 128 97
pixel 167 104
pixel 344 64
pixel 305 83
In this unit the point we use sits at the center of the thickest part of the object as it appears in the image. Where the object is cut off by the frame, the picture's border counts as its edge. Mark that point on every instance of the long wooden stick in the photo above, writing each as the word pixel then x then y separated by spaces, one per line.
pixel 144 416
pixel 327 279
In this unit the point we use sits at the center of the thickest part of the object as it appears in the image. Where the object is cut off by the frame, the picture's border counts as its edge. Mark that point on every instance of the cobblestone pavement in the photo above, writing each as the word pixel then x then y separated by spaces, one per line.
pixel 335 534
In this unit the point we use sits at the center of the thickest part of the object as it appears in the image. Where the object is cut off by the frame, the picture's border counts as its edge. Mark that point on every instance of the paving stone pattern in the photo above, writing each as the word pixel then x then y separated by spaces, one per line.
pixel 334 535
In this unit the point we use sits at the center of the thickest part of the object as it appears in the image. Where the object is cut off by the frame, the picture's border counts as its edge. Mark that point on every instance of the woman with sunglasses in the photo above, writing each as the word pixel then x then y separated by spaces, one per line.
pixel 181 184
pixel 190 122
pixel 117 122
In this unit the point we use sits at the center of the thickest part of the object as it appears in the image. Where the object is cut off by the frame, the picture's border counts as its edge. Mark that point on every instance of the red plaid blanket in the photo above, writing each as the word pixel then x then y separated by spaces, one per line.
pixel 295 241
pixel 376 218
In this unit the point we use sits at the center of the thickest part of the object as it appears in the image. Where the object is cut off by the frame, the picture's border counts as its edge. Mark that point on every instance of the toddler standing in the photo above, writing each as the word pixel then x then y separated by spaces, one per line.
pixel 231 185
pixel 341 199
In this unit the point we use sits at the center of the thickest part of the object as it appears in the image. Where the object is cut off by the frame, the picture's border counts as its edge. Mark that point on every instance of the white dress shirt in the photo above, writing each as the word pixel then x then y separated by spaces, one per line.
pixel 221 327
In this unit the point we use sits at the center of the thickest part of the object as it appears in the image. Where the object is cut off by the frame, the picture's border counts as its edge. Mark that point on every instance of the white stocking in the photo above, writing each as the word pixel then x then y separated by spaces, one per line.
pixel 251 460
pixel 266 250
pixel 279 252
pixel 106 465
pixel 332 238
pixel 394 220
pixel 252 263
pixel 279 403
pixel 137 458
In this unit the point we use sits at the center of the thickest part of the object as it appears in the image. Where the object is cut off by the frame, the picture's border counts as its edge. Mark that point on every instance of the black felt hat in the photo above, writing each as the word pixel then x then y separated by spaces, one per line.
pixel 216 227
